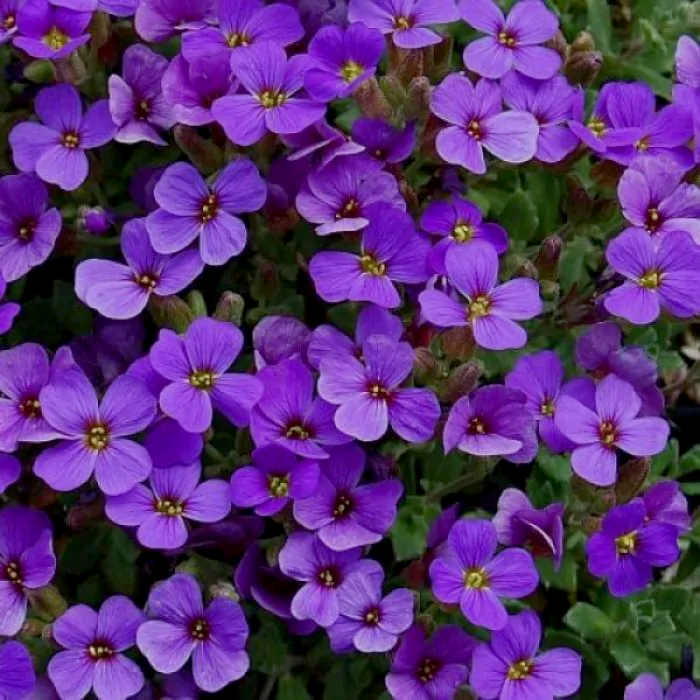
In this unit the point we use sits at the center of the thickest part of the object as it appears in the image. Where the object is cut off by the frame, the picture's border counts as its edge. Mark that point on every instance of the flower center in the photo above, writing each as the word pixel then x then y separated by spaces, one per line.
pixel 652 220
pixel 199 630
pixel 520 670
pixel 506 39
pixel 98 437
pixel 30 407
pixel 403 22
pixel 608 433
pixel 343 506
pixel 370 266
pixel 328 578
pixel 278 485
pixel 427 670
pixel 377 391
pixel 626 544
pixel 351 71
pixel 475 578
pixel 209 208
pixel 236 40
pixel 547 408
pixel 372 616
pixel 100 650
pixel 169 506
pixel 474 129
pixel 597 126
pixel 147 280
pixel 272 98
pixel 463 232
pixel 55 38
pixel 642 145
pixel 202 380
pixel 142 110
pixel 477 426
pixel 70 140
pixel 479 307
pixel 650 279
pixel 26 230
pixel 13 572
pixel 350 210
pixel 9 22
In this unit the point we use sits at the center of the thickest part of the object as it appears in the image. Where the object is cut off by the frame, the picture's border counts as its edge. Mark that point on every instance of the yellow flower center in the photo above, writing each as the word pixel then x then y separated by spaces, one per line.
pixel 377 391
pixel 342 506
pixel 547 408
pixel 351 71
pixel 476 578
pixel 8 22
pixel 427 670
pixel 143 109
pixel 13 572
pixel 99 650
pixel 403 22
pixel 26 230
pixel 202 380
pixel 70 140
pixel 327 578
pixel 479 307
pixel 372 617
pixel 370 266
pixel 506 39
pixel 199 630
pixel 30 408
pixel 278 485
pixel 651 279
pixel 169 507
pixel 626 544
pixel 476 425
pixel 521 670
pixel 209 208
pixel 236 40
pixel 98 437
pixel 608 433
pixel 349 210
pixel 643 144
pixel 597 126
pixel 272 98
pixel 297 432
pixel 474 129
pixel 463 232
pixel 55 39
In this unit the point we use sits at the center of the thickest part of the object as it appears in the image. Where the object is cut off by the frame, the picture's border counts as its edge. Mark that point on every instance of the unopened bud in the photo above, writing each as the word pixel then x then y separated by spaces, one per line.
pixel 407 64
pixel 425 365
pixel 582 68
pixel 583 42
pixel 99 29
pixel 590 525
pixel 394 92
pixel 595 500
pixel 631 478
pixel 223 589
pixel 547 260
pixel 418 100
pixel 94 220
pixel 371 100
pixel 409 194
pixel 578 203
pixel 607 174
pixel 526 268
pixel 71 69
pixel 442 58
pixel 170 312
pixel 196 302
pixel 40 72
pixel 461 381
pixel 457 343
pixel 205 156
pixel 558 43
pixel 48 602
pixel 230 308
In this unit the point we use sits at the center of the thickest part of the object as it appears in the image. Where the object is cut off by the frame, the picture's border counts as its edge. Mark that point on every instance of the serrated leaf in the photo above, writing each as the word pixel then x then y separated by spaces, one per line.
pixel 590 622
pixel 411 527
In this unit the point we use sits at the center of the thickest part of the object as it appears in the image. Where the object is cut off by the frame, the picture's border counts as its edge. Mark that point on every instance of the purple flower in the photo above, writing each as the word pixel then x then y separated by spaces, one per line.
pixel 119 8
pixel 665 503
pixel 342 513
pixel 648 687
pixel 28 231
pixel 390 251
pixel 243 23
pixel 272 104
pixel 551 103
pixel 195 366
pixel 159 20
pixel 276 478
pixel 369 395
pixel 277 338
pixel 476 122
pixel 339 197
pixel 512 42
pixel 136 100
pixel 95 435
pixel 341 59
pixel 190 209
pixel 627 548
pixel 181 627
pixel 458 221
pixel 369 622
pixel 519 523
pixel 289 414
pixel 122 291
pixel 27 563
pixel 328 341
pixel 10 471
pixel 612 425
pixel 509 667
pixel 94 644
pixel 492 421
pixel 17 677
pixel 405 20
pixel 491 310
pixel 324 574
pixel 94 220
pixel 656 201
pixel 46 31
pixel 659 276
pixel 55 149
pixel 430 669
pixel 321 141
pixel 8 19
pixel 468 573
pixel 383 141
pixel 175 495
pixel 8 310
pixel 688 62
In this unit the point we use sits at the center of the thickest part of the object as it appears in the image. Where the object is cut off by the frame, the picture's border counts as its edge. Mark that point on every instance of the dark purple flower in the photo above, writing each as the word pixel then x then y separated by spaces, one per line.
pixel 195 366
pixel 320 13
pixel 28 230
pixel 27 563
pixel 277 338
pixel 458 221
pixel 341 59
pixel 648 687
pixel 344 514
pixel 369 622
pixel 55 149
pixel 119 8
pixel 509 667
pixel 137 104
pixel 665 503
pixel 513 42
pixel 317 146
pixel 47 31
pixel 289 414
pixel 324 573
pixel 627 548
pixel 477 122
pixel 551 103
pixel 181 627
pixel 159 20
pixel 370 397
pixel 174 495
pixel 660 276
pixel 383 141
pixel 191 209
pixel 273 103
pixel 519 523
pixel 441 526
pixel 122 291
pixel 8 310
pixel 338 197
pixel 10 471
pixel 8 19
pixel 492 421
pixel 390 251
pixel 405 20
pixel 17 677
pixel 94 220
pixel 491 309
pixel 430 669
pixel 276 478
pixel 94 644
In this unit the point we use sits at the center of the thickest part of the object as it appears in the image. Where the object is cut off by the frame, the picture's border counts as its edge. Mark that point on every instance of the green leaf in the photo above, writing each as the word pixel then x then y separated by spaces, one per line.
pixel 519 216
pixel 119 562
pixel 572 269
pixel 411 527
pixel 628 651
pixel 268 651
pixel 600 24
pixel 671 599
pixel 292 688
pixel 556 467
pixel 590 622
pixel 69 313
pixel 348 679
pixel 690 461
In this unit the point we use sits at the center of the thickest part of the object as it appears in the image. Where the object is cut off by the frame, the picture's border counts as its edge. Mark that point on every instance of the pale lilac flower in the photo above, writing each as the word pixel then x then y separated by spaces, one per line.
pixel 277 338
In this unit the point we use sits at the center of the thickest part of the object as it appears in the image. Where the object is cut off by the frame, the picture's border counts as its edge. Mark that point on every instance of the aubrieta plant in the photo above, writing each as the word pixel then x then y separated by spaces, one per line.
pixel 349 349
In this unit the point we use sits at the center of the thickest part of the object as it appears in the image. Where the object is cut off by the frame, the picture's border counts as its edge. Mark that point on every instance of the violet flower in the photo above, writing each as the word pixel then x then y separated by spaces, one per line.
pixel 614 424
pixel 491 309
pixel 317 146
pixel 627 548
pixel 8 19
pixel 405 20
pixel 17 676
pixel 161 509
pixel 338 198
pixel 94 643
pixel 648 687
pixel 383 141
pixel 55 148
pixel 276 478
pixel 137 104
pixel 273 103
pixel 10 471
pixel 289 415
pixel 181 627
pixel 277 338
pixel 8 310
pixel 27 563
pixel 665 503
pixel 195 366
pixel 122 291
pixel 28 230
pixel 660 276
pixel 344 514
pixel 94 220
pixel 159 20
pixel 369 622
pixel 324 574
pixel 687 91
pixel 119 8
pixel 191 209
pixel 369 395
pixel 390 251
pixel 509 667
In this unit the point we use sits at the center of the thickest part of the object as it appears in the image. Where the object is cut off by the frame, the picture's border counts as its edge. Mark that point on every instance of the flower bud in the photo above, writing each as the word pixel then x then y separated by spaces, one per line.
pixel 94 220
pixel 40 72
pixel 630 479
pixel 418 100
pixel 425 366
pixel 394 92
pixel 442 58
pixel 170 312
pixel 99 29
pixel 229 308
pixel 205 156
pixel 583 68
pixel 457 343
pixel 196 302
pixel 48 602
pixel 71 69
pixel 526 269
pixel 547 260
pixel 461 381
pixel 371 100
pixel 558 43
pixel 223 589
pixel 583 42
